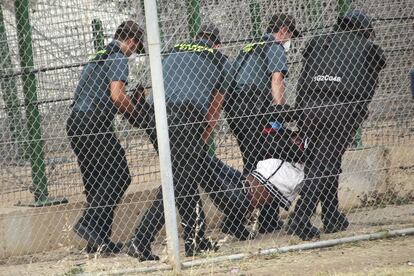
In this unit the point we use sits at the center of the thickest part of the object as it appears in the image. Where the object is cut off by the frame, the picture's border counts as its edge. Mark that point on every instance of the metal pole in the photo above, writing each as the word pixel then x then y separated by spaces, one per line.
pixel 10 96
pixel 281 250
pixel 154 49
pixel 255 17
pixel 98 35
pixel 194 20
pixel 30 96
pixel 315 13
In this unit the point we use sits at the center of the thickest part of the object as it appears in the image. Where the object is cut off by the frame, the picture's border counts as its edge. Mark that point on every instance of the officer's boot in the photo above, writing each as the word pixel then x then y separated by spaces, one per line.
pixel 333 220
pixel 269 219
pixel 299 224
pixel 235 217
pixel 151 223
pixel 234 225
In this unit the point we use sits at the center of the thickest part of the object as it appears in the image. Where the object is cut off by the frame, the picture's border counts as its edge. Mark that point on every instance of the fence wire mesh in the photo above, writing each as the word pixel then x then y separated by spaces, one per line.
pixel 272 108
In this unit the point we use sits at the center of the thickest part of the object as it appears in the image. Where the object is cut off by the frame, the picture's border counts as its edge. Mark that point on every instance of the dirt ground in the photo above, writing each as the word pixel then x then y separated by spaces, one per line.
pixel 394 256
pixel 381 257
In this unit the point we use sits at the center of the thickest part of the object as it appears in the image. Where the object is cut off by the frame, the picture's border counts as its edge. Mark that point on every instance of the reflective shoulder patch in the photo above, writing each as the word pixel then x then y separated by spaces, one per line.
pixel 187 47
pixel 249 47
pixel 98 54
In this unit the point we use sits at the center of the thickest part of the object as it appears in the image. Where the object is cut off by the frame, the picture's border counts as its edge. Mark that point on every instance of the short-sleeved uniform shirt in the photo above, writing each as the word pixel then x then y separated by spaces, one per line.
pixel 92 93
pixel 190 76
pixel 257 69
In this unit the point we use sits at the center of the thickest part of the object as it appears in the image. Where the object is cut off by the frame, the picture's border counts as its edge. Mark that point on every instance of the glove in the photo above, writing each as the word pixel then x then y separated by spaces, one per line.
pixel 141 117
pixel 138 94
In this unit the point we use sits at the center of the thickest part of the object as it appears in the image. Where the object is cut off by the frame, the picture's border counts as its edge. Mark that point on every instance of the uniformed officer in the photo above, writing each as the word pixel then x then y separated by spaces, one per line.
pixel 260 71
pixel 99 96
pixel 193 80
pixel 337 82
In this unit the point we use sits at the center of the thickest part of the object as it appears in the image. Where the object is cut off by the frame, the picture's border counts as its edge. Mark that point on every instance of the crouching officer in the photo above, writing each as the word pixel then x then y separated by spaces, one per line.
pixel 259 73
pixel 338 80
pixel 193 79
pixel 99 96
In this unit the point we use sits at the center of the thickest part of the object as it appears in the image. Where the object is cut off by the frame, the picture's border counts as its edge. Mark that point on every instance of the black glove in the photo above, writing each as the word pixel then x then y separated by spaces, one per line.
pixel 141 116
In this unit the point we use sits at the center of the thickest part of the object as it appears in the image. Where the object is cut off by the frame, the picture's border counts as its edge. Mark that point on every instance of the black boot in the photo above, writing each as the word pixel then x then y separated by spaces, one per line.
pixel 141 252
pixel 269 220
pixel 299 224
pixel 335 222
pixel 88 234
pixel 304 230
pixel 234 226
pixel 202 245
pixel 108 247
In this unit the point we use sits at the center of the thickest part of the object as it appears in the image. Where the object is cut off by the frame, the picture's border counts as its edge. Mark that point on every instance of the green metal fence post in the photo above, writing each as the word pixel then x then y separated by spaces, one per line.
pixel 29 89
pixel 315 12
pixel 343 6
pixel 29 81
pixel 255 18
pixel 98 35
pixel 9 88
pixel 194 20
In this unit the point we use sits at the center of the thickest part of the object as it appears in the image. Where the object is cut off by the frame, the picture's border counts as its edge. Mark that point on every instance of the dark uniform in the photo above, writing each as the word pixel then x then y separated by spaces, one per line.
pixel 100 156
pixel 249 108
pixel 192 71
pixel 338 80
pixel 251 97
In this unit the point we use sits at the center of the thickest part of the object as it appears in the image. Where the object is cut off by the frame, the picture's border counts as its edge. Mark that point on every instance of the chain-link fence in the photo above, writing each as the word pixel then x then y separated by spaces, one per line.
pixel 270 109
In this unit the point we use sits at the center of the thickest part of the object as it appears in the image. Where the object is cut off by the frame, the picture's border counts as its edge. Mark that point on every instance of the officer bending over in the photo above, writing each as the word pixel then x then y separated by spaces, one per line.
pixel 193 79
pixel 260 71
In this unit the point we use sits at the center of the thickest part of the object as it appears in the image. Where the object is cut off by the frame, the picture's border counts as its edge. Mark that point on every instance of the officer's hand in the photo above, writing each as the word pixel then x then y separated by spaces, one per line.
pixel 138 94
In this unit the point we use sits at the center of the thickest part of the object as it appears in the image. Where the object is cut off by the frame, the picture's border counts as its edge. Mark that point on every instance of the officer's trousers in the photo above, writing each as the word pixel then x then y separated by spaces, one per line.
pixel 328 129
pixel 104 169
pixel 247 116
pixel 191 167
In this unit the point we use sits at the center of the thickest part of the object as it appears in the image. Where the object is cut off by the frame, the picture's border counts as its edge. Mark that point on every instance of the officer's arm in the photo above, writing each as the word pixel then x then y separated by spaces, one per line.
pixel 213 113
pixel 278 88
pixel 277 66
pixel 121 99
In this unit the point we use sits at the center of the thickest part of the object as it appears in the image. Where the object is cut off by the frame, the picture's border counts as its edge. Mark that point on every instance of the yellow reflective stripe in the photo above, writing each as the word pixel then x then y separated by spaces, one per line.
pixel 249 47
pixel 193 48
pixel 100 52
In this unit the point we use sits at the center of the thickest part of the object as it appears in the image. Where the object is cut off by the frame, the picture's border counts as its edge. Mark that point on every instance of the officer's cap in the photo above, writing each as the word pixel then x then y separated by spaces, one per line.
pixel 358 20
pixel 212 31
pixel 283 20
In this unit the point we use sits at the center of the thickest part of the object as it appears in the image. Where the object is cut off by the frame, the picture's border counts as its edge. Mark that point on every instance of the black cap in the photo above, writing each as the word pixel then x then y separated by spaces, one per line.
pixel 212 31
pixel 358 20
pixel 283 20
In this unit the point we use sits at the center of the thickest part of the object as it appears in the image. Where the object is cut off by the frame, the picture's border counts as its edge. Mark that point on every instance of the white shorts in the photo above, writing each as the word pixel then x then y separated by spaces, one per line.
pixel 282 179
